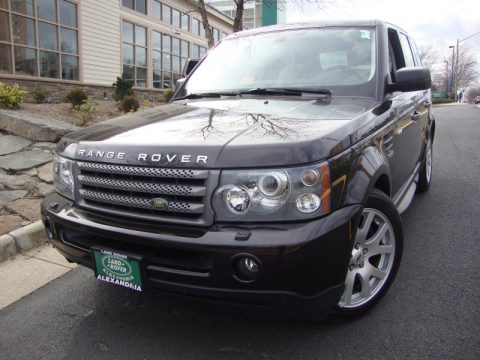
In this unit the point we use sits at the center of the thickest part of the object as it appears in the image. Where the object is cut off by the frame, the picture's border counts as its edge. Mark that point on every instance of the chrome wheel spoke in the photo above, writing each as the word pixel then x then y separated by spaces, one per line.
pixel 380 250
pixel 362 232
pixel 348 292
pixel 376 272
pixel 375 240
pixel 365 285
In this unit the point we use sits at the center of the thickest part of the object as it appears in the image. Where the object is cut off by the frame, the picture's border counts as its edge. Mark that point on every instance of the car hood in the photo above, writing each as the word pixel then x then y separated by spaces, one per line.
pixel 224 133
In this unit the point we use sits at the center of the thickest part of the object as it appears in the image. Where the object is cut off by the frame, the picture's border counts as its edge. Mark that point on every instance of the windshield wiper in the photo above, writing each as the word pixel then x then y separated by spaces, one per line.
pixel 259 91
pixel 209 95
pixel 287 91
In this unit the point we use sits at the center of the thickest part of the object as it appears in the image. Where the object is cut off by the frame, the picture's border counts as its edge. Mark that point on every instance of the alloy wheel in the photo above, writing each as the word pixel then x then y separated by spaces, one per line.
pixel 372 259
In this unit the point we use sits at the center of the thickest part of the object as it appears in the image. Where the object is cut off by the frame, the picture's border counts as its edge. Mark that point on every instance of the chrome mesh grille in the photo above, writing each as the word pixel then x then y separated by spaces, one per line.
pixel 135 190
pixel 143 171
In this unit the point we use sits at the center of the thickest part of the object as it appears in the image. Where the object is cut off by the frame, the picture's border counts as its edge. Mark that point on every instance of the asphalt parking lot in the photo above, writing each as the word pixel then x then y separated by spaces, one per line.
pixel 431 311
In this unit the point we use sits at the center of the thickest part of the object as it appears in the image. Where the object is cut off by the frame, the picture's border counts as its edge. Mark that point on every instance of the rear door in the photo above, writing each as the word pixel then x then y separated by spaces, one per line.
pixel 406 137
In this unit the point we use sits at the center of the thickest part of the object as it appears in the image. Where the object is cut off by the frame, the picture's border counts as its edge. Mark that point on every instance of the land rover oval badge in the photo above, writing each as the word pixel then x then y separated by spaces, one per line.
pixel 159 203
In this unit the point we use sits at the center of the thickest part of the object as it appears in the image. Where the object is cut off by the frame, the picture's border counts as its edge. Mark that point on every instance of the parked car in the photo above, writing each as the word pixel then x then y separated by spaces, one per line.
pixel 273 181
pixel 477 100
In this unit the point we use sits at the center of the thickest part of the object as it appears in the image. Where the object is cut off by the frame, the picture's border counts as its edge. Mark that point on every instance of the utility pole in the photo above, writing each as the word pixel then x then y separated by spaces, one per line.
pixel 452 78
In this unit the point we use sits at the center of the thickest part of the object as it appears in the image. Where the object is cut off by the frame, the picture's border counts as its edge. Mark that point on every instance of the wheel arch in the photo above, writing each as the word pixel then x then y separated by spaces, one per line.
pixel 369 170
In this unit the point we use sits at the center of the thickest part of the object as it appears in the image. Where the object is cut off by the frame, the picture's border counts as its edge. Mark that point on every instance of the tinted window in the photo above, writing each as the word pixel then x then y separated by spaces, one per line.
pixel 416 54
pixel 407 52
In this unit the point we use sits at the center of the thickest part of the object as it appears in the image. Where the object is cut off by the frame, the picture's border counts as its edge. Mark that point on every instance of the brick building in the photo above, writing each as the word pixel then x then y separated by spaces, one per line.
pixel 71 43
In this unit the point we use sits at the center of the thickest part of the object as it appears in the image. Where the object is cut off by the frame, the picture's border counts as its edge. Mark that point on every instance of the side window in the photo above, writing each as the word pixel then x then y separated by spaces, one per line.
pixel 396 60
pixel 407 52
pixel 416 54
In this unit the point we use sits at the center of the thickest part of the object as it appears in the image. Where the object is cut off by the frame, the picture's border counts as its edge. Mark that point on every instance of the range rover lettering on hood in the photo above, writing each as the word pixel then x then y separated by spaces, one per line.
pixel 144 157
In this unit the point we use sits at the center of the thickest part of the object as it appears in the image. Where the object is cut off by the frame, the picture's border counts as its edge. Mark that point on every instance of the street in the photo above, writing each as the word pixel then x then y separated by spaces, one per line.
pixel 432 310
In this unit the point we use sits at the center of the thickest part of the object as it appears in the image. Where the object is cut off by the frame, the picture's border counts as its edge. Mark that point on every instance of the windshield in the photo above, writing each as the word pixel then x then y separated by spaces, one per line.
pixel 341 60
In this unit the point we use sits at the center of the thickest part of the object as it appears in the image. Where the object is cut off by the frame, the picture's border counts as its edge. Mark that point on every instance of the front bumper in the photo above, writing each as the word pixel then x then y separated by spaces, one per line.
pixel 302 265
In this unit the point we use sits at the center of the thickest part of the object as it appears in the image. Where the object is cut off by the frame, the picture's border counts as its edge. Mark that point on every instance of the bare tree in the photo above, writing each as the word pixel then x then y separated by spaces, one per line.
pixel 200 7
pixel 238 21
pixel 466 69
pixel 472 93
pixel 429 54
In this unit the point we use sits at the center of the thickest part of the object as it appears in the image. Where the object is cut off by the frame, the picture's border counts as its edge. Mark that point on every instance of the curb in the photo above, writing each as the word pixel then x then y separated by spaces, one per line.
pixel 22 239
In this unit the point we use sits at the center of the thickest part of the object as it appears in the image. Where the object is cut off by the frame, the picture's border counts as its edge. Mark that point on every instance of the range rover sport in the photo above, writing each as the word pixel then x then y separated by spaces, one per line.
pixel 273 181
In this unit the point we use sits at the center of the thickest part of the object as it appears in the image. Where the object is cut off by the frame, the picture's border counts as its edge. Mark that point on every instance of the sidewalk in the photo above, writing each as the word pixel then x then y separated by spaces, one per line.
pixel 26 272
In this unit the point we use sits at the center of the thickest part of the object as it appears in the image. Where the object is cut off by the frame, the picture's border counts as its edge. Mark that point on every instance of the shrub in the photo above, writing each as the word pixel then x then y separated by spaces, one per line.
pixel 122 88
pixel 146 105
pixel 86 112
pixel 442 100
pixel 11 96
pixel 39 94
pixel 130 103
pixel 76 97
pixel 168 94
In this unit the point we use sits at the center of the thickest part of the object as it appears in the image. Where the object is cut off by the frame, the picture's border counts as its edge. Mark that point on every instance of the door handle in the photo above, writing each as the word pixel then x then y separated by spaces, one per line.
pixel 415 116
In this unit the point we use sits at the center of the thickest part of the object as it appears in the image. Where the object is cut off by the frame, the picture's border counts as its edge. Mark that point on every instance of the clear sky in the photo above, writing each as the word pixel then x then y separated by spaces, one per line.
pixel 439 22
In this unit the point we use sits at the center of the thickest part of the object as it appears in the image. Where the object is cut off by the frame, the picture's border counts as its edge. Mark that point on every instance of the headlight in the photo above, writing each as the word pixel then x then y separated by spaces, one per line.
pixel 274 194
pixel 63 176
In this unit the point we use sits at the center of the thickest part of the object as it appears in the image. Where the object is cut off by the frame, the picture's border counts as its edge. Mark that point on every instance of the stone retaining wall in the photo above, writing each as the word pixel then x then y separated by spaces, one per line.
pixel 58 90
pixel 33 127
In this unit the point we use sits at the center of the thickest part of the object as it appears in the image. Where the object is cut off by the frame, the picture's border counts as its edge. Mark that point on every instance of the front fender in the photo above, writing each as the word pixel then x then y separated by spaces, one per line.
pixel 369 169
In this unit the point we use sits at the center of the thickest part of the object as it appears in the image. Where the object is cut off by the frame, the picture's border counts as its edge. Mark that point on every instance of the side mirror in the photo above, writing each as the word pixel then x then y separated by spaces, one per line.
pixel 189 66
pixel 411 79
pixel 179 83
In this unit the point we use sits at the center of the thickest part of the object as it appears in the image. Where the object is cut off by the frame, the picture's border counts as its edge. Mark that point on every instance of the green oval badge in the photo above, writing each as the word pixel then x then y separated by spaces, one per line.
pixel 159 203
pixel 117 266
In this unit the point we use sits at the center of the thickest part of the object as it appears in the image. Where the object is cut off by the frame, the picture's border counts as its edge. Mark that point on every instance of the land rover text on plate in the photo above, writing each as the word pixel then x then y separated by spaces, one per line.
pixel 273 181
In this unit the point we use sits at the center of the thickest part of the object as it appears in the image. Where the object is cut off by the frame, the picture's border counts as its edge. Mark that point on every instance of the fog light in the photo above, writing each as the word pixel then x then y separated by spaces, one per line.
pixel 237 200
pixel 246 268
pixel 308 203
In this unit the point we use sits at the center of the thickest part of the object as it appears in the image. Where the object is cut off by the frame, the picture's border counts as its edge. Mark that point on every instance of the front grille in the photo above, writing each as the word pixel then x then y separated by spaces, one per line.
pixel 135 191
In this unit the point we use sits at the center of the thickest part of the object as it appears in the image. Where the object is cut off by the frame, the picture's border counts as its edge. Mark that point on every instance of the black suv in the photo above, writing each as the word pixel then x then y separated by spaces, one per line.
pixel 274 179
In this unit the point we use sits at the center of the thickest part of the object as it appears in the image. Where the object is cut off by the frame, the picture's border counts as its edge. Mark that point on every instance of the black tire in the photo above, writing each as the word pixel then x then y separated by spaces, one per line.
pixel 425 176
pixel 376 263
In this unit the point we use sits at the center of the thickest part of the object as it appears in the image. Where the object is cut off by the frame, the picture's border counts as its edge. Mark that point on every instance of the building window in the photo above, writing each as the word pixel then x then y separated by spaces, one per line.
pixel 176 18
pixel 169 54
pixel 185 22
pixel 198 51
pixel 135 53
pixel 136 5
pixel 156 10
pixel 44 39
pixel 166 14
pixel 22 6
pixel 216 35
pixel 47 10
pixel 25 61
pixel 196 27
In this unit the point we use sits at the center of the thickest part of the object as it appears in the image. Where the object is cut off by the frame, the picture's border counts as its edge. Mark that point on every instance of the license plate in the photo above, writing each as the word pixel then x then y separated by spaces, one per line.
pixel 117 268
